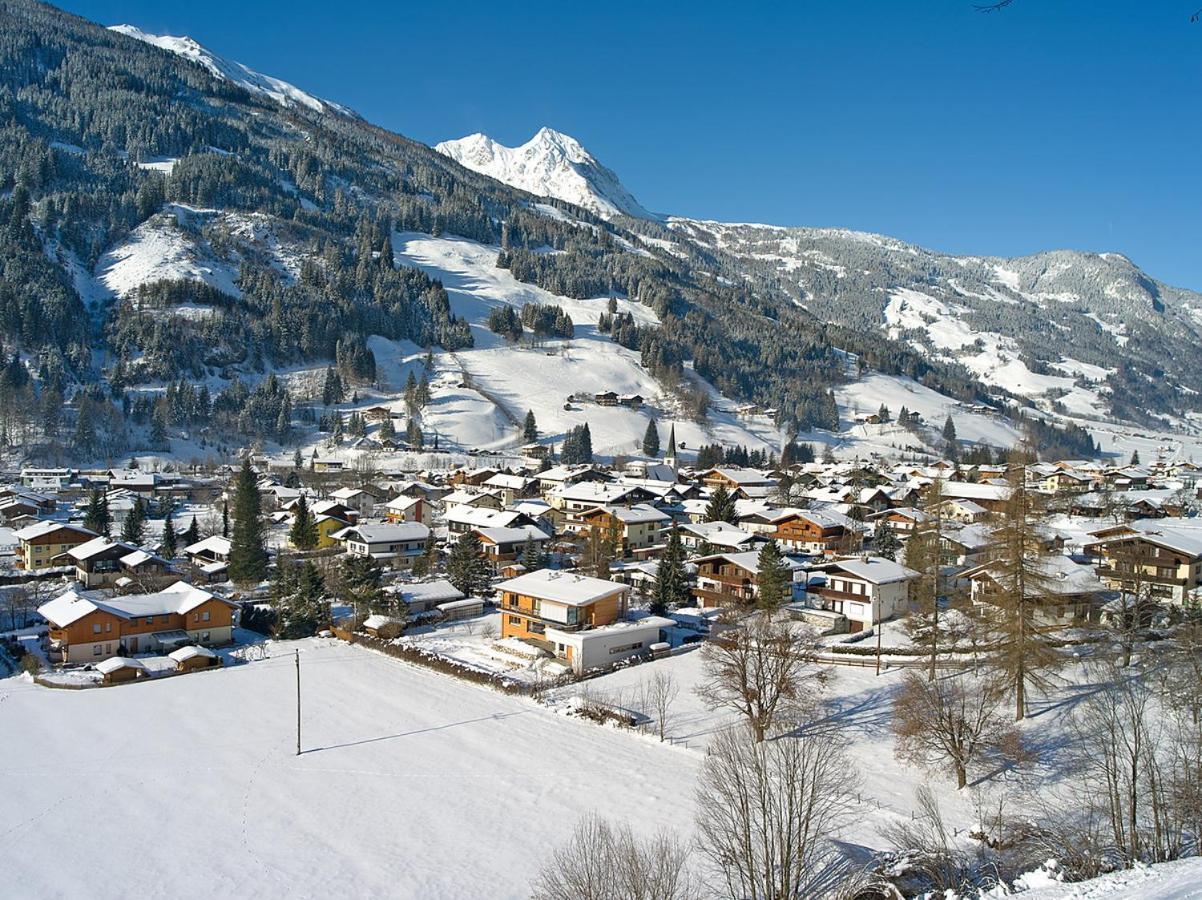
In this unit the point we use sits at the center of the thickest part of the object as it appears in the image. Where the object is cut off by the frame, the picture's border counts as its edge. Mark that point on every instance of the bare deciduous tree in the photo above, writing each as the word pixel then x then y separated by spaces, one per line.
pixel 662 691
pixel 766 810
pixel 954 719
pixel 764 669
pixel 607 862
pixel 933 855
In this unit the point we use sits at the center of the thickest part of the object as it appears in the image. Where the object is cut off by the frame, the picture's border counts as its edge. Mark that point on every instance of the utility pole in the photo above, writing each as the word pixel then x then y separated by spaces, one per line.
pixel 298 705
pixel 876 605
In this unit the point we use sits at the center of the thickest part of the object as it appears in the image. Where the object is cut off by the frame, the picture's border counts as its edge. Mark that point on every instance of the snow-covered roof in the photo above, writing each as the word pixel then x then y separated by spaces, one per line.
pixel 96 546
pixel 873 569
pixel 568 588
pixel 216 544
pixel 513 535
pixel 430 592
pixel 749 560
pixel 632 515
pixel 40 529
pixel 384 533
pixel 72 606
pixel 113 663
pixel 191 652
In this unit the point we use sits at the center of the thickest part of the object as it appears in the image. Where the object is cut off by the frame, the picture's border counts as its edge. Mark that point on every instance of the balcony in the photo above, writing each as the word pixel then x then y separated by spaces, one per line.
pixel 536 618
pixel 1129 576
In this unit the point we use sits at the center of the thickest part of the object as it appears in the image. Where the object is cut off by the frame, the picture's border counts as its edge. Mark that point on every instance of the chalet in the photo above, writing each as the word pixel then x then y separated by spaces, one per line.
pixel 720 536
pixel 359 499
pixel 41 542
pixel 404 508
pixel 472 477
pixel 463 519
pixel 732 478
pixel 512 488
pixel 732 579
pixel 577 498
pixel 396 544
pixel 991 497
pixel 1162 559
pixel 474 499
pixel 327 526
pixel 904 520
pixel 966 511
pixel 636 528
pixel 537 601
pixel 1067 593
pixel 864 589
pixel 22 505
pixel 503 545
pixel 632 401
pixel 819 532
pixel 208 550
pixel 86 628
pixel 561 476
pixel 328 465
pixel 377 414
pixel 606 398
pixel 101 562
pixel 965 545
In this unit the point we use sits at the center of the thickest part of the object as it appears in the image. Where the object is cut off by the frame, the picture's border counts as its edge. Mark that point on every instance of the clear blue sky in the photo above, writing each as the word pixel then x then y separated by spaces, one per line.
pixel 1054 123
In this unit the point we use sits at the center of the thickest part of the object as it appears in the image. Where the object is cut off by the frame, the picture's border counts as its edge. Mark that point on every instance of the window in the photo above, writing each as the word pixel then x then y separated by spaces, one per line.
pixel 204 637
pixel 204 617
pixel 96 628
pixel 515 620
pixel 195 617
pixel 150 620
pixel 95 649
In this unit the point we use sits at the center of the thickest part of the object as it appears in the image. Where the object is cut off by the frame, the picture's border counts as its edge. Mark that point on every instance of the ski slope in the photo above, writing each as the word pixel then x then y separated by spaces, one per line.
pixel 517 378
pixel 423 787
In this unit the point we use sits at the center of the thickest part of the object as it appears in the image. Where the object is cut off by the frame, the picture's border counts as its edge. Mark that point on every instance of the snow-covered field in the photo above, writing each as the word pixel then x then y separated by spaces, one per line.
pixel 412 783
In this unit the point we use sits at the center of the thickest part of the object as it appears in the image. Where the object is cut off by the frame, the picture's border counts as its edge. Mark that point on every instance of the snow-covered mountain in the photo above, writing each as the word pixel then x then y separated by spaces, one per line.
pixel 550 164
pixel 235 72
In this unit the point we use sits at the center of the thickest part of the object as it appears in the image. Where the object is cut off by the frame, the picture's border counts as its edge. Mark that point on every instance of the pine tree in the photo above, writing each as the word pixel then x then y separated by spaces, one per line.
pixel 671 578
pixel 303 533
pixel 387 430
pixel 533 557
pixel 134 526
pixel 299 593
pixel 467 568
pixel 721 507
pixel 1135 457
pixel 884 541
pixel 362 584
pixel 772 578
pixel 586 444
pixel 426 563
pixel 529 428
pixel 949 431
pixel 167 547
pixel 414 436
pixel 248 558
pixel 225 518
pixel 651 440
pixel 97 517
pixel 192 535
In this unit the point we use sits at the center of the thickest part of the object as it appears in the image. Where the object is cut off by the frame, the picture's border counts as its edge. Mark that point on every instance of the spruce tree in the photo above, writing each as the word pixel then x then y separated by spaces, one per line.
pixel 167 547
pixel 949 431
pixel 248 558
pixel 530 428
pixel 651 440
pixel 413 435
pixel 225 518
pixel 97 517
pixel 772 578
pixel 303 533
pixel 192 535
pixel 361 584
pixel 884 541
pixel 721 507
pixel 533 557
pixel 671 579
pixel 134 526
pixel 467 568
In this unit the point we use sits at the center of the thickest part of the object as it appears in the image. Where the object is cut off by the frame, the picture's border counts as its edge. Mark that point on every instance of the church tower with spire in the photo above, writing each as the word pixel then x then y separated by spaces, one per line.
pixel 670 457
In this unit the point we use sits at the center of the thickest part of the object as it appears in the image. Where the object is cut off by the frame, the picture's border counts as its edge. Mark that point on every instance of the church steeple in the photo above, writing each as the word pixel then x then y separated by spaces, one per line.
pixel 670 456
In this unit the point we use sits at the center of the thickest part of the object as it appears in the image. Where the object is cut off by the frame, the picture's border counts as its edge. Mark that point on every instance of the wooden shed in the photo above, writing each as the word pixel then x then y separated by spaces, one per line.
pixel 383 627
pixel 191 658
pixel 117 669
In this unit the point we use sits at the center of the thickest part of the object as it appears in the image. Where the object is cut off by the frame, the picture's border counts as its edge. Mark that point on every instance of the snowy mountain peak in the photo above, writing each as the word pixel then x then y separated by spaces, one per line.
pixel 550 164
pixel 235 72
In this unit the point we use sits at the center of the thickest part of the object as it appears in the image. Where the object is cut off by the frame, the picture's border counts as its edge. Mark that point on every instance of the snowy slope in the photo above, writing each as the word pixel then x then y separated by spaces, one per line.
pixel 228 70
pixel 550 164
pixel 518 378
pixel 424 786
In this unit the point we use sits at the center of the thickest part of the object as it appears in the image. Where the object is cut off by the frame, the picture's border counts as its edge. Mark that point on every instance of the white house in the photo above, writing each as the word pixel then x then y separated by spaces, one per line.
pixel 866 589
pixel 397 544
pixel 607 645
